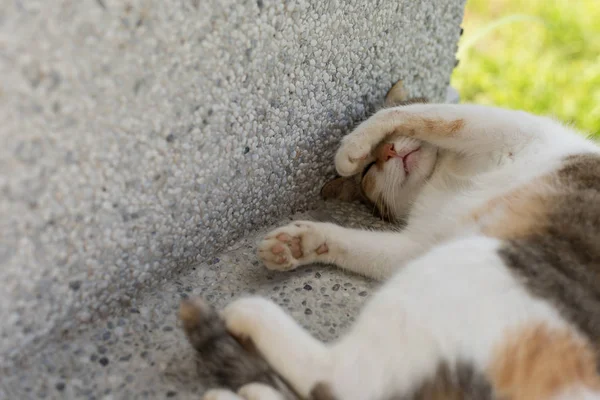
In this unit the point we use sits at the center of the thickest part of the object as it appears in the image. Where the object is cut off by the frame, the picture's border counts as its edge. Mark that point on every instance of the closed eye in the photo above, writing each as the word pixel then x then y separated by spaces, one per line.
pixel 364 172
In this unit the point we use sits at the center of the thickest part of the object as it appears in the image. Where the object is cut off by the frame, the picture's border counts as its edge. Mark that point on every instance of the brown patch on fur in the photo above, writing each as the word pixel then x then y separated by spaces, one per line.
pixel 430 124
pixel 352 189
pixel 321 391
pixel 425 128
pixel 189 314
pixel 537 363
pixel 516 214
pixel 538 206
pixel 456 125
pixel 434 127
pixel 342 188
pixel 368 183
pixel 247 343
pixel 458 383
pixel 557 258
pixel 581 172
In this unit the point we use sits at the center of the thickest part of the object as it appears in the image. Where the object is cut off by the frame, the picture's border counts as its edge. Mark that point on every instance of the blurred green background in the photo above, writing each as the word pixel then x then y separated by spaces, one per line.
pixel 541 56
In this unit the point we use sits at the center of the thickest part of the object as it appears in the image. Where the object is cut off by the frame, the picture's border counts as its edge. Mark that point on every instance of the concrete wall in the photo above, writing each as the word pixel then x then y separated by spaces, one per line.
pixel 141 136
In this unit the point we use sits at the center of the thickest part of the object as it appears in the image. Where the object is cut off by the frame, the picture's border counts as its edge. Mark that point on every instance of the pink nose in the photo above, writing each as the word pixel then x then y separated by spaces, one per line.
pixel 386 152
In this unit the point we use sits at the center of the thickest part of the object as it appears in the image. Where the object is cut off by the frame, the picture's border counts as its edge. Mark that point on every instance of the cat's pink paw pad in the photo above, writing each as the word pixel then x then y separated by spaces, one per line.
pixel 296 244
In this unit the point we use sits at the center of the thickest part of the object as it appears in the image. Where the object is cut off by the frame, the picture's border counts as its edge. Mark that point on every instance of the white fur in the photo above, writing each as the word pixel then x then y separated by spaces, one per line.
pixel 450 297
pixel 251 391
pixel 578 393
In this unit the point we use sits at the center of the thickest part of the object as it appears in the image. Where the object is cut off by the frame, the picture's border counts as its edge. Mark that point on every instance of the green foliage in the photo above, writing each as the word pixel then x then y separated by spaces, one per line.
pixel 541 56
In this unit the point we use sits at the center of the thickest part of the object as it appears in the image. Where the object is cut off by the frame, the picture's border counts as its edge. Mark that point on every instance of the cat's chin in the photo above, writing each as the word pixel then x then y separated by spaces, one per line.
pixel 411 160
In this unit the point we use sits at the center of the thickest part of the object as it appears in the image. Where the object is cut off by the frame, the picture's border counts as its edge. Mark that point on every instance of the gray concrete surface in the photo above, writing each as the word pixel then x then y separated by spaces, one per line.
pixel 142 352
pixel 142 137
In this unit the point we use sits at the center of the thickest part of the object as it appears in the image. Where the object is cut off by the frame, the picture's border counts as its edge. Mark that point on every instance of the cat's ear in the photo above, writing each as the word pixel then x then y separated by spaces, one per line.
pixel 398 96
pixel 342 188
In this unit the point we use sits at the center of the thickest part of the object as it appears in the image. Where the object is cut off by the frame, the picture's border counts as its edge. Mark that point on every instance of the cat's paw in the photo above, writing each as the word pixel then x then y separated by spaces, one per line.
pixel 353 154
pixel 246 316
pixel 259 391
pixel 290 246
pixel 220 394
pixel 251 391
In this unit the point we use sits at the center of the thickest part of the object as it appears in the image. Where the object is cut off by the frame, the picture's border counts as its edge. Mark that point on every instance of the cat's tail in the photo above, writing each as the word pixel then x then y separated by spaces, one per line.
pixel 222 359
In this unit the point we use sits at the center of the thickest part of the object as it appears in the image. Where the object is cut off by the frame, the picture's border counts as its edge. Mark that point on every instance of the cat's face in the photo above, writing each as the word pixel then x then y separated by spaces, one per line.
pixel 391 180
pixel 396 175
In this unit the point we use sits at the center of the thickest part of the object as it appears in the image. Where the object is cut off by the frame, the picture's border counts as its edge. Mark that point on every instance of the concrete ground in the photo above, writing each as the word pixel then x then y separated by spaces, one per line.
pixel 143 353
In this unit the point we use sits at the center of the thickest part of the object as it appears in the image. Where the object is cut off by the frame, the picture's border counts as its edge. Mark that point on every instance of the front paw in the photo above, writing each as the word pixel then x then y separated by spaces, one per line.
pixel 352 156
pixel 299 243
pixel 220 394
pixel 246 316
pixel 259 391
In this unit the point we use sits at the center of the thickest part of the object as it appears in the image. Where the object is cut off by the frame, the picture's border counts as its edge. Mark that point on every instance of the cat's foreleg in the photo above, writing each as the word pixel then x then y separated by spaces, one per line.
pixel 291 351
pixel 370 253
pixel 251 391
pixel 464 128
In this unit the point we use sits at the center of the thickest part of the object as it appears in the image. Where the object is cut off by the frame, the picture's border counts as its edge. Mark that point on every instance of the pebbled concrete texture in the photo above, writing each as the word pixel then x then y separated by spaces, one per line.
pixel 142 137
pixel 142 353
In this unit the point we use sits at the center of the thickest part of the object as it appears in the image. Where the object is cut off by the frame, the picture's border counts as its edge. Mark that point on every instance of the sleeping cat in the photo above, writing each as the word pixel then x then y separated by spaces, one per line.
pixel 492 289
